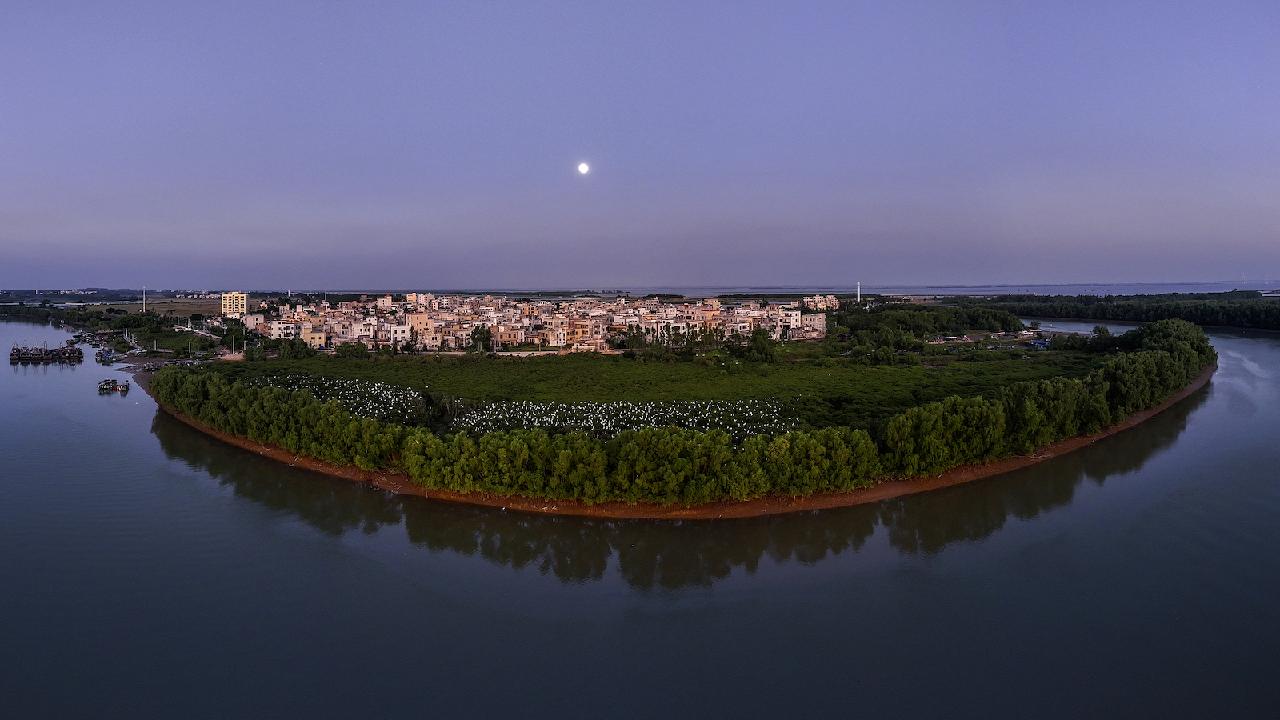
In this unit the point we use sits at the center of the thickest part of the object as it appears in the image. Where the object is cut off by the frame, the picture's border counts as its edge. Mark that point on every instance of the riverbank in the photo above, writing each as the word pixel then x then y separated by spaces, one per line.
pixel 1139 323
pixel 401 484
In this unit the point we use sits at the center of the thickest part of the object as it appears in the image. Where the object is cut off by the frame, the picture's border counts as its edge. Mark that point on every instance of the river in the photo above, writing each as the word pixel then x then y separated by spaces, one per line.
pixel 150 570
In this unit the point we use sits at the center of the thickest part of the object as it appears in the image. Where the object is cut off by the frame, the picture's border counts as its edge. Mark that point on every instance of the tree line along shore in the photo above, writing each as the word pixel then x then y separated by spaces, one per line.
pixel 1248 309
pixel 679 466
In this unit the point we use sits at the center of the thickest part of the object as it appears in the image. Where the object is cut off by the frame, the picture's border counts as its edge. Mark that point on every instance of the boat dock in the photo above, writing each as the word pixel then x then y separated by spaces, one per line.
pixel 70 354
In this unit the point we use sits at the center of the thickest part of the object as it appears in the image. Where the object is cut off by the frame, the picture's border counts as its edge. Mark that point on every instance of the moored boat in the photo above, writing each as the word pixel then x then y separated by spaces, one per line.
pixel 110 385
pixel 45 356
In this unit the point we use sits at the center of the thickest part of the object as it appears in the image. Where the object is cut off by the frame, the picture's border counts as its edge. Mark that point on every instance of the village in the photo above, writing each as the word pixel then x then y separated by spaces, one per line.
pixel 443 323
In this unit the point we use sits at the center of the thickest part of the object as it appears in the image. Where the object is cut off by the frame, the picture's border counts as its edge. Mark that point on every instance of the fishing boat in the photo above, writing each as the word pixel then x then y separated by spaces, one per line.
pixel 111 385
pixel 45 356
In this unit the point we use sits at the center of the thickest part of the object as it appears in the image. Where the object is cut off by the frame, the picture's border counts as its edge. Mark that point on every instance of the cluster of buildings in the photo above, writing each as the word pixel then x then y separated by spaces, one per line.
pixel 425 321
pixel 822 302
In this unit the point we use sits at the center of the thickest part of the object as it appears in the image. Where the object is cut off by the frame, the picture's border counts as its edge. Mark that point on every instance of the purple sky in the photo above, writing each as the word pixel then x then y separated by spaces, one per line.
pixel 433 144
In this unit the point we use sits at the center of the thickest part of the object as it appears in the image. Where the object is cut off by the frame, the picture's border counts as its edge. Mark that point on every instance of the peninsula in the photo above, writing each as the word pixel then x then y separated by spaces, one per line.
pixel 891 397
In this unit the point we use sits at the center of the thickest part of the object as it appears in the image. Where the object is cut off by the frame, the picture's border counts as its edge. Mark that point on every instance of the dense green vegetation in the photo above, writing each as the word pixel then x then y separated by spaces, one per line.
pixel 673 465
pixel 821 392
pixel 919 321
pixel 1240 308
pixel 704 345
pixel 896 334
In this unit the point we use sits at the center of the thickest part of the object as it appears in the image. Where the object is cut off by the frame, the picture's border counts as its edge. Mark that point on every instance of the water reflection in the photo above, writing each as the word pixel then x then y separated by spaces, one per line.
pixel 929 522
pixel 42 369
pixel 671 555
pixel 333 507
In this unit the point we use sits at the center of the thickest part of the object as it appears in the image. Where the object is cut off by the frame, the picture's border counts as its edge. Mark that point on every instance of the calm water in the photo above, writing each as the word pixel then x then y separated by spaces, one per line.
pixel 151 571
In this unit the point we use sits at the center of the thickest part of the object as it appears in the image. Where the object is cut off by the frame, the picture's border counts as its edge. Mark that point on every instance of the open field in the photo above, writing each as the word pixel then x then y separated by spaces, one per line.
pixel 171 340
pixel 178 307
pixel 833 392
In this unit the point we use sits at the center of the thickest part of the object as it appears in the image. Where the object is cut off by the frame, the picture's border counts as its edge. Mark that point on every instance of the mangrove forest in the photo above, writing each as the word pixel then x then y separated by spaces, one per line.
pixel 678 465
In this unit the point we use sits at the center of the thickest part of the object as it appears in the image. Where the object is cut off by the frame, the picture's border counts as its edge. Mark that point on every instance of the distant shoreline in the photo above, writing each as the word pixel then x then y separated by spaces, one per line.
pixel 402 485
pixel 868 288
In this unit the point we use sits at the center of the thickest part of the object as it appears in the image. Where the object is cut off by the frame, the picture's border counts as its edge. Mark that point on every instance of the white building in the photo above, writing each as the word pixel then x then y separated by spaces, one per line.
pixel 280 330
pixel 253 321
pixel 395 333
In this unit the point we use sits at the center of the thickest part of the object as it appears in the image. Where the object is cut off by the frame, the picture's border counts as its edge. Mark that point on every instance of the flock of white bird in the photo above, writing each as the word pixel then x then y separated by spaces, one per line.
pixel 366 398
pixel 738 418
pixel 394 403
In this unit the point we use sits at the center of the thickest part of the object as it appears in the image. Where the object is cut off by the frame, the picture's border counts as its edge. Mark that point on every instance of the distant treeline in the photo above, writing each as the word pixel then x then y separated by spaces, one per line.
pixel 924 320
pixel 33 313
pixel 90 317
pixel 93 295
pixel 674 465
pixel 147 329
pixel 1240 308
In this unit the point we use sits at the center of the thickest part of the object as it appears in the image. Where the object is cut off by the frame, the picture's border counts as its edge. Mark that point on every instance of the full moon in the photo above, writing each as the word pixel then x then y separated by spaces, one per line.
pixel 583 168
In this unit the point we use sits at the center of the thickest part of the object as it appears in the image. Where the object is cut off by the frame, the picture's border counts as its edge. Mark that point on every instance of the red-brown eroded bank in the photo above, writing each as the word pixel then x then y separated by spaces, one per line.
pixel 401 484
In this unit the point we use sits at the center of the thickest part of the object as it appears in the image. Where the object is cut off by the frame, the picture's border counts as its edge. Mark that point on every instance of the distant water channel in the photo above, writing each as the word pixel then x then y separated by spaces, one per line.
pixel 151 571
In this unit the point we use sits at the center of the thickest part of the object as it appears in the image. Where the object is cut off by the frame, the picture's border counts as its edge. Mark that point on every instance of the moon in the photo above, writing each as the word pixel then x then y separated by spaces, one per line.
pixel 583 168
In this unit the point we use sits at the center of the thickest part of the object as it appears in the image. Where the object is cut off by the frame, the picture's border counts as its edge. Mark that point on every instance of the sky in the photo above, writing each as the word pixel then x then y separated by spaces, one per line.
pixel 323 144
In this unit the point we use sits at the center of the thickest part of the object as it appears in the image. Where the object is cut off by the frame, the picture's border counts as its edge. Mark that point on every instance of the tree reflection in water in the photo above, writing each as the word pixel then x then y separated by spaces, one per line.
pixel 928 522
pixel 666 554
pixel 333 507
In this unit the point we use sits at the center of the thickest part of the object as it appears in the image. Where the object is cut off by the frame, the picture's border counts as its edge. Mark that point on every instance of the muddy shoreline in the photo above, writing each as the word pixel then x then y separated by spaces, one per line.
pixel 402 485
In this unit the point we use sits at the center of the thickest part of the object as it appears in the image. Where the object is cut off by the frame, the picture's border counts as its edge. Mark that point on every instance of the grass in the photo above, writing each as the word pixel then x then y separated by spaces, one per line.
pixel 826 392
pixel 179 308
pixel 173 340
pixel 172 311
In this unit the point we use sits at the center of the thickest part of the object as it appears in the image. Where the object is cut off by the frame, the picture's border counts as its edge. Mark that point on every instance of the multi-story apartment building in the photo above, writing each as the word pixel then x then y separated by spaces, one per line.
pixel 314 338
pixel 280 330
pixel 234 304
pixel 252 321
pixel 396 334
pixel 813 326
